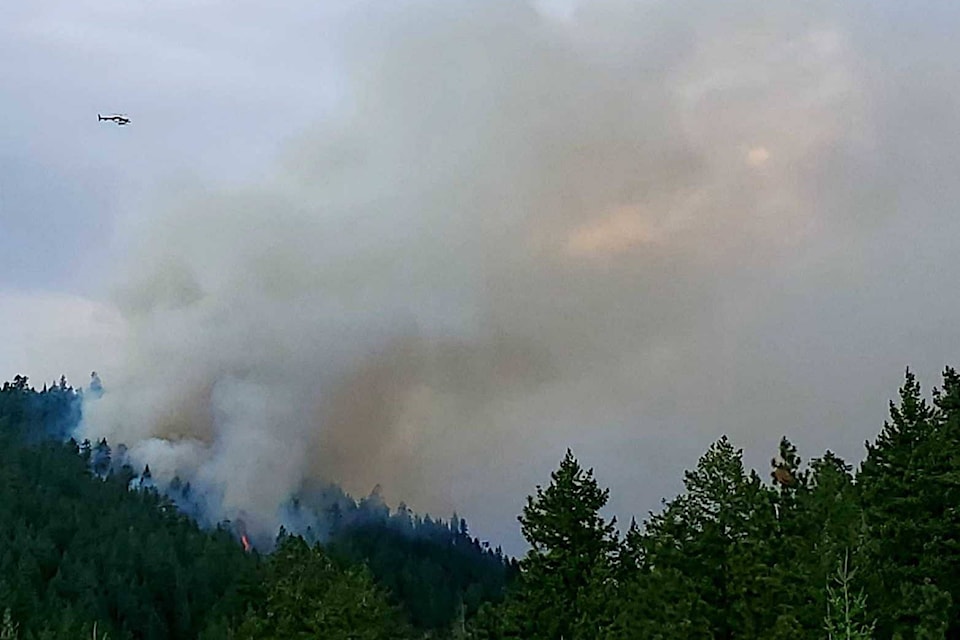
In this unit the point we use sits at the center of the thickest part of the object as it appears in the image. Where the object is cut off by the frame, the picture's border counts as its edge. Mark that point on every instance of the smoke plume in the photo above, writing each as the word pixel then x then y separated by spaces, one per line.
pixel 519 229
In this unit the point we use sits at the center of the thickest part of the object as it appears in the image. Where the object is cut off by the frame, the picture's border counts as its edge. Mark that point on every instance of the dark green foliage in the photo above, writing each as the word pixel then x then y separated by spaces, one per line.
pixel 909 494
pixel 306 595
pixel 731 557
pixel 431 568
pixel 846 609
pixel 566 576
pixel 75 548
pixel 36 415
pixel 9 630
pixel 716 536
pixel 822 525
pixel 662 604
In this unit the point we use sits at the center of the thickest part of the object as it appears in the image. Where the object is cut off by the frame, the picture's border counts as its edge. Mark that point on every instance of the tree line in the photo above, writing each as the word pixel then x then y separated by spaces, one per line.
pixel 817 549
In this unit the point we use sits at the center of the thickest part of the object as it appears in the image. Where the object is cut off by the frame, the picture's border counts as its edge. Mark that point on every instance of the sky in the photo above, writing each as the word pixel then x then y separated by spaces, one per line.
pixel 430 245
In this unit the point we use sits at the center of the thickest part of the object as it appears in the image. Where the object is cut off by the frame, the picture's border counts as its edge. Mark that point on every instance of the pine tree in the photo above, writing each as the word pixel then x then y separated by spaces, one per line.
pixel 829 524
pixel 791 545
pixel 716 536
pixel 660 603
pixel 569 564
pixel 308 596
pixel 942 551
pixel 846 617
pixel 908 487
pixel 817 519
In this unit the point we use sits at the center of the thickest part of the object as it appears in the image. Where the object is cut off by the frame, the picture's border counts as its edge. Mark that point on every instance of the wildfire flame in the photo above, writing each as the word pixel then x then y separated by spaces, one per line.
pixel 245 541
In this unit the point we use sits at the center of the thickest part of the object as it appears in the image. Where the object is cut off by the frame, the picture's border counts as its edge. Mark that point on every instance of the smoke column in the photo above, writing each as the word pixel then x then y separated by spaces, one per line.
pixel 515 225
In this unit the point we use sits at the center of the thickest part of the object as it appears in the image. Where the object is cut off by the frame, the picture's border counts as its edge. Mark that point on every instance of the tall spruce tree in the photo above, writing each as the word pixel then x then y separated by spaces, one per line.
pixel 833 524
pixel 791 545
pixel 942 551
pixel 906 485
pixel 818 520
pixel 568 567
pixel 716 534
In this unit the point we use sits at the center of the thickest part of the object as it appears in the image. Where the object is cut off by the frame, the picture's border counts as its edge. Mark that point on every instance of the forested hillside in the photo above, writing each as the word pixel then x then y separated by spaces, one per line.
pixel 85 538
pixel 814 550
pixel 78 549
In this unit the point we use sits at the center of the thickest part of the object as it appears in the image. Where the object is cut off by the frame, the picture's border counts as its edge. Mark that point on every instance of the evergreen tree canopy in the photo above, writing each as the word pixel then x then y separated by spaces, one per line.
pixel 908 487
pixel 572 546
pixel 306 595
pixel 85 540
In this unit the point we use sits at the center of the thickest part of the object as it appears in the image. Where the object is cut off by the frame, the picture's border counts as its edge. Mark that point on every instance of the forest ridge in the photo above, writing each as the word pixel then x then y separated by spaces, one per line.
pixel 815 550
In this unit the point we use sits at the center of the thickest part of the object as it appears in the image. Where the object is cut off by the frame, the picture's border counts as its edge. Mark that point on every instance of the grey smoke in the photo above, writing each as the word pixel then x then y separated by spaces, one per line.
pixel 628 228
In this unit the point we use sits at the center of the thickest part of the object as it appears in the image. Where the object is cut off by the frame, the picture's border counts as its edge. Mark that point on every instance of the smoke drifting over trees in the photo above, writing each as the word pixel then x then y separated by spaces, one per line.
pixel 515 226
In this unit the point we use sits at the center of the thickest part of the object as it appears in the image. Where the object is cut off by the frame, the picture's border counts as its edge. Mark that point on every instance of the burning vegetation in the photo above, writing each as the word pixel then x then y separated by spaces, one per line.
pixel 240 528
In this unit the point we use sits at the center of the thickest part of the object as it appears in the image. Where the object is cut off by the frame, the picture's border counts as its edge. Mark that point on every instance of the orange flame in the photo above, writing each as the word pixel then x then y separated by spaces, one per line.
pixel 246 543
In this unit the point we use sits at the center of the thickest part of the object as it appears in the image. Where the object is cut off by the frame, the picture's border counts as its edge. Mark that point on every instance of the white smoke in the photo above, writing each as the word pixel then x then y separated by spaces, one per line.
pixel 515 227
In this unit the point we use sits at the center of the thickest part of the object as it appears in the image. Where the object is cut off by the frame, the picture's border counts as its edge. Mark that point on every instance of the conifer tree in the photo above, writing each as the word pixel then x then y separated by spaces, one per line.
pixel 791 545
pixel 943 547
pixel 908 488
pixel 716 535
pixel 846 617
pixel 308 596
pixel 569 563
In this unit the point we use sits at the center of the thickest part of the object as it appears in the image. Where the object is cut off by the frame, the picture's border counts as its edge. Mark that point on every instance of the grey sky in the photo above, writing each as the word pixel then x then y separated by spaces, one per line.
pixel 432 244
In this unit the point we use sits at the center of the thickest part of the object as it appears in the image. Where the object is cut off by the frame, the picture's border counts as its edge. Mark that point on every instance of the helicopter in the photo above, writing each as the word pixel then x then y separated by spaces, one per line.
pixel 121 120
